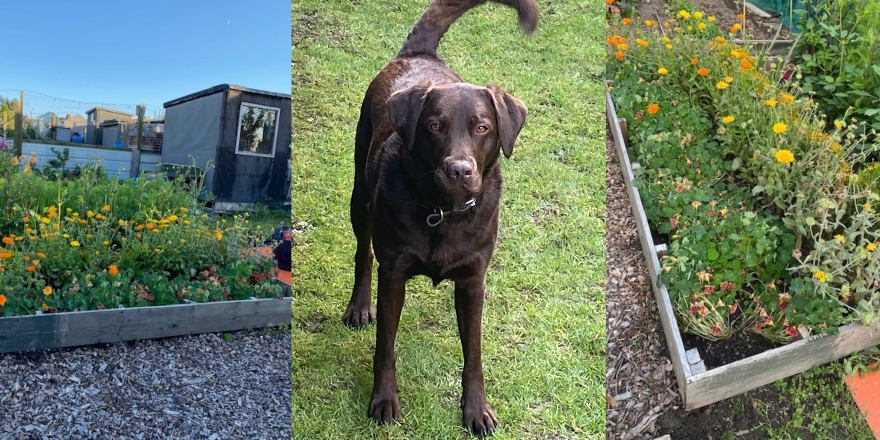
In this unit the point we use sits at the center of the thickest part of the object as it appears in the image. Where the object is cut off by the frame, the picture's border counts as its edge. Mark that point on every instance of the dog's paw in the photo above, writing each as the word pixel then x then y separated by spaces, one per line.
pixel 358 317
pixel 478 418
pixel 384 409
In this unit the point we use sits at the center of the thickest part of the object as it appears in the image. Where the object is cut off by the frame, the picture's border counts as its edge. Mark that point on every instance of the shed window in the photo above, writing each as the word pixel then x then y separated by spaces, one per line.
pixel 257 130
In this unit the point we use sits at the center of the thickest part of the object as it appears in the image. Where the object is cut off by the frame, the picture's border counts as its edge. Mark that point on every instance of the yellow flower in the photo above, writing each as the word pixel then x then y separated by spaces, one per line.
pixel 45 306
pixel 701 26
pixel 662 71
pixel 669 46
pixel 839 124
pixel 105 208
pixel 728 119
pixel 47 291
pixel 641 42
pixel 720 40
pixel 698 15
pixel 728 79
pixel 870 247
pixel 711 19
pixel 684 14
pixel 784 156
pixel 75 243
pixel 45 220
pixel 868 208
pixel 819 275
pixel 90 214
pixel 786 97
pixel 721 85
pixel 219 235
pixel 839 239
pixel 650 23
pixel 770 102
pixel 779 128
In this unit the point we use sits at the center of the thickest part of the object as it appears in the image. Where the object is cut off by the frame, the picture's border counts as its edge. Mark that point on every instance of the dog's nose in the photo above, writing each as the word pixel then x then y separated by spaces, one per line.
pixel 459 170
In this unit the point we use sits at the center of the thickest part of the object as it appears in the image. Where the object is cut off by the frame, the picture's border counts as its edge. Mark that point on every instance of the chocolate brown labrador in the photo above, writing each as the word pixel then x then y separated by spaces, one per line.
pixel 426 194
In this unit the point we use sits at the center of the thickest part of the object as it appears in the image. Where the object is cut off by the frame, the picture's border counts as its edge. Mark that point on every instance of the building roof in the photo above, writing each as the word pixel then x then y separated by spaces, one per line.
pixel 109 110
pixel 218 89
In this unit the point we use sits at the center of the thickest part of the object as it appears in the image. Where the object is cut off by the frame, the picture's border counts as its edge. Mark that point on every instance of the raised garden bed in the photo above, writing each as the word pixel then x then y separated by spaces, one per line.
pixel 700 386
pixel 70 329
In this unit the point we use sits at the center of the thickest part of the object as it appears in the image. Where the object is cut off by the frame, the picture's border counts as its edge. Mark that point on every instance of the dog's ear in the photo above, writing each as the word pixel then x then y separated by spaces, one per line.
pixel 404 109
pixel 510 114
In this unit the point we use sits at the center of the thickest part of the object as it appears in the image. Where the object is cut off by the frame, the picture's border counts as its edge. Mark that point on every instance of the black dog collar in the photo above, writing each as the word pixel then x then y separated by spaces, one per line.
pixel 439 214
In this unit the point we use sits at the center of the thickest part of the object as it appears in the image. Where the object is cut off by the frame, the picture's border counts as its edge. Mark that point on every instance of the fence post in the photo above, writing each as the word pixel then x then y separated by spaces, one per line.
pixel 136 153
pixel 19 125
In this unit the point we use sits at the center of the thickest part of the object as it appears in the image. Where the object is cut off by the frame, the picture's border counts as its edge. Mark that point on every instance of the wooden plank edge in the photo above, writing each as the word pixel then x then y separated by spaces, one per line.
pixel 776 364
pixel 661 295
pixel 268 312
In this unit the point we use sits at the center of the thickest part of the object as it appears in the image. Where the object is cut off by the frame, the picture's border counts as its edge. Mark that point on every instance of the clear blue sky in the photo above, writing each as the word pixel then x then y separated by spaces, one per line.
pixel 141 52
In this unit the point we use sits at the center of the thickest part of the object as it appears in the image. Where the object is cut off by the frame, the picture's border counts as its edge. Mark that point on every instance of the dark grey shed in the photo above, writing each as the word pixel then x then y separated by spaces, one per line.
pixel 242 134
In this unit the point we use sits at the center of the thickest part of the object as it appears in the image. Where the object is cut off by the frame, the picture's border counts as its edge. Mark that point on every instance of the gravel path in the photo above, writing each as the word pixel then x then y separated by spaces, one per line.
pixel 189 387
pixel 640 382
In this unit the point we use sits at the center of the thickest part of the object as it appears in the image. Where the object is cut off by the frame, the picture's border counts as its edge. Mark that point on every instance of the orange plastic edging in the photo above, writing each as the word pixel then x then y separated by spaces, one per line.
pixel 866 392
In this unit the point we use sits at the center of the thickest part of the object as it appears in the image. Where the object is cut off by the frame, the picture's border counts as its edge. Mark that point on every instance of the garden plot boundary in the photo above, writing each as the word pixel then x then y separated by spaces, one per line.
pixel 71 329
pixel 700 387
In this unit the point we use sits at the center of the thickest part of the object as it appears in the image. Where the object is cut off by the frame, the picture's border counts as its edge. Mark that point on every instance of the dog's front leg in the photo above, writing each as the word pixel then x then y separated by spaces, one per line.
pixel 477 415
pixel 384 404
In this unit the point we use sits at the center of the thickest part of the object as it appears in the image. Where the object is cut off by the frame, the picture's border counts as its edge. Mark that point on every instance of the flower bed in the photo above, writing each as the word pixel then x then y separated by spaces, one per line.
pixel 90 242
pixel 697 385
pixel 769 218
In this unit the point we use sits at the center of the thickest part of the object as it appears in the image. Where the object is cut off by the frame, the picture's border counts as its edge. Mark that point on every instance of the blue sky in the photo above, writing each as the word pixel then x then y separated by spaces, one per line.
pixel 149 53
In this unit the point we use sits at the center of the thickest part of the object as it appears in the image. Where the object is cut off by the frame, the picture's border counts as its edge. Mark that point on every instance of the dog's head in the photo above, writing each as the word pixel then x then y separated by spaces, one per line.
pixel 455 131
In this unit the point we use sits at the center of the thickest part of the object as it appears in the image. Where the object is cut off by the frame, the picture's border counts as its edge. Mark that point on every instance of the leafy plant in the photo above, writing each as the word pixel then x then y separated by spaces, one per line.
pixel 838 59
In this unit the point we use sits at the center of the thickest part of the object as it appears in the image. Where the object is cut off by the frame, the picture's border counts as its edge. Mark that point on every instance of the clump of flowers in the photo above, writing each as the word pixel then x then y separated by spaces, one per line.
pixel 770 217
pixel 93 242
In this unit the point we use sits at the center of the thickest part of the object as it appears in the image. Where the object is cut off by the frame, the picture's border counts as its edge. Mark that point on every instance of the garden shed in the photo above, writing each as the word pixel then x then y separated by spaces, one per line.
pixel 241 136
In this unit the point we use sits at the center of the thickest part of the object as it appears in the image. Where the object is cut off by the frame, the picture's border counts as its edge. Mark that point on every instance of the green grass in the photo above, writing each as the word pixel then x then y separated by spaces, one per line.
pixel 544 332
pixel 819 406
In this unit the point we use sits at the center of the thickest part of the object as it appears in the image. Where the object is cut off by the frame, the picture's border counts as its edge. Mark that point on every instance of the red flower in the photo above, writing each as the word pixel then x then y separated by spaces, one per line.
pixel 727 286
pixel 791 331
pixel 708 290
pixel 716 331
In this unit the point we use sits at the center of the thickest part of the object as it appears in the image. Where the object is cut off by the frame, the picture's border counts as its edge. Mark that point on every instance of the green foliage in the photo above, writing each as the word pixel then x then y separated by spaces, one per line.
pixel 838 61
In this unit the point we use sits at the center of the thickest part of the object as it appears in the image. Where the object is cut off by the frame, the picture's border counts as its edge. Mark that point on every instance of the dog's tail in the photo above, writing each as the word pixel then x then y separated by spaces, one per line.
pixel 425 35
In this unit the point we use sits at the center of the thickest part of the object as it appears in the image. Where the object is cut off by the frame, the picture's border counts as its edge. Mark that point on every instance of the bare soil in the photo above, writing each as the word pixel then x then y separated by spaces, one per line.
pixel 725 12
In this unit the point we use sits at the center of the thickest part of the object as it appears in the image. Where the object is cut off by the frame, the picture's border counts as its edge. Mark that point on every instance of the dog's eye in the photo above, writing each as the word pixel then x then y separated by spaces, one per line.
pixel 482 129
pixel 434 126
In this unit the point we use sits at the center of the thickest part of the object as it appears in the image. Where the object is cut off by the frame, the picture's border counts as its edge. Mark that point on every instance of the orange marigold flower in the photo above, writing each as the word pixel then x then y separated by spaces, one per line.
pixel 741 16
pixel 2 300
pixel 703 71
pixel 619 55
pixel 8 240
pixel 746 64
pixel 720 40
pixel 105 208
pixel 626 20
pixel 695 61
pixel 653 108
pixel 31 269
pixel 113 270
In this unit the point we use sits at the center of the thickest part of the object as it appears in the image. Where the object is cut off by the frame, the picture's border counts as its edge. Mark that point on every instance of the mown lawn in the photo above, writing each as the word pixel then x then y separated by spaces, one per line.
pixel 544 331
